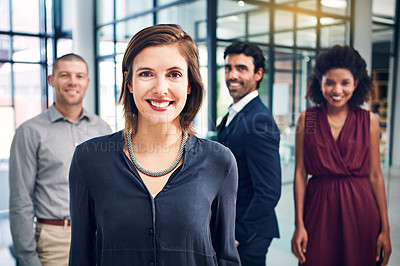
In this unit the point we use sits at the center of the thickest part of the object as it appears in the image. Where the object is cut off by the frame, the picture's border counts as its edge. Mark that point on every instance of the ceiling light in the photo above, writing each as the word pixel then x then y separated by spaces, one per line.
pixel 241 3
pixel 334 3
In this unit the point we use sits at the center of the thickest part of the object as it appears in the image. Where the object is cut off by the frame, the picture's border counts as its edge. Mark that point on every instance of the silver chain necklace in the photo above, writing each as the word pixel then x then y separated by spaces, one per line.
pixel 155 173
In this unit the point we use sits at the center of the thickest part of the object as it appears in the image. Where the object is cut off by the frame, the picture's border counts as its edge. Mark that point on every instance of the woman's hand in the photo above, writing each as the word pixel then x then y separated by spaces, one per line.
pixel 299 243
pixel 383 247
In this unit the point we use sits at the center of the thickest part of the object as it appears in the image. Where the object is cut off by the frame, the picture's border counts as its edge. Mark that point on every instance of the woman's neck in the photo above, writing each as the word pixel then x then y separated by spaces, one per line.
pixel 160 135
pixel 338 111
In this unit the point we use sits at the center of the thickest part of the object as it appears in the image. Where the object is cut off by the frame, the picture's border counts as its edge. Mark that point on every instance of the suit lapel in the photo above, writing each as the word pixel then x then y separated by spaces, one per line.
pixel 224 130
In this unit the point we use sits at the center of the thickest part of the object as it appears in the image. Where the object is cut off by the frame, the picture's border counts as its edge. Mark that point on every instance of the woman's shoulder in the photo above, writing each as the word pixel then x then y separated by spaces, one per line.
pixel 105 143
pixel 211 150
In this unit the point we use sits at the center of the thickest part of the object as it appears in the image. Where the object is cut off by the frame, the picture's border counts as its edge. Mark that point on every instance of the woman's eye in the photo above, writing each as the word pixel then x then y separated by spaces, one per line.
pixel 145 74
pixel 175 75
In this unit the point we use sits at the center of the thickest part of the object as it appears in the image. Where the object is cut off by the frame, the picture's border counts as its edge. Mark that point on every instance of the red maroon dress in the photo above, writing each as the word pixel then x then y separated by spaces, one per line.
pixel 340 212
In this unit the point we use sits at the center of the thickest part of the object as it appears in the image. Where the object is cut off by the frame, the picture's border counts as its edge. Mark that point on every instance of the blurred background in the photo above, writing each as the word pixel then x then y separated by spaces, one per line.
pixel 290 32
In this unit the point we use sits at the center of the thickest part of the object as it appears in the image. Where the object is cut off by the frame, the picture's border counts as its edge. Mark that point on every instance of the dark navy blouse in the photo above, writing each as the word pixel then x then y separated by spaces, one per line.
pixel 115 220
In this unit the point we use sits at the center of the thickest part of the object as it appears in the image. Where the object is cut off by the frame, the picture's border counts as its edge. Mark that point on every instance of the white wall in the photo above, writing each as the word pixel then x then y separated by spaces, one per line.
pixel 83 38
pixel 363 30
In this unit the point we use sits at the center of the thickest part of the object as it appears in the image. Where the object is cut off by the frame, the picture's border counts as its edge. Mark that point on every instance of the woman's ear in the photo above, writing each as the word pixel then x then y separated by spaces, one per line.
pixel 129 83
pixel 189 90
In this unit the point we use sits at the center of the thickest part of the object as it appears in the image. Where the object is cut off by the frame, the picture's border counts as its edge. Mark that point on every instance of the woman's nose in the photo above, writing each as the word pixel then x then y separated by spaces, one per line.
pixel 161 86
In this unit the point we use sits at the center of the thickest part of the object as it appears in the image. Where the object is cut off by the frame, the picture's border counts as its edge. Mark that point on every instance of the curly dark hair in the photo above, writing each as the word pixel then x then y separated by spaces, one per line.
pixel 341 56
pixel 249 49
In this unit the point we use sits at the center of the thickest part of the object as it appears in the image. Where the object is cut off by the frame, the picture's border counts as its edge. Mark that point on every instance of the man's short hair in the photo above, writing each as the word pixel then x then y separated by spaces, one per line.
pixel 69 57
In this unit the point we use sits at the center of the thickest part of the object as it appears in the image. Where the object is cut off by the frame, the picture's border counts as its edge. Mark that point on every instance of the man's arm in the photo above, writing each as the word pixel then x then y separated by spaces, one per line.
pixel 22 174
pixel 263 161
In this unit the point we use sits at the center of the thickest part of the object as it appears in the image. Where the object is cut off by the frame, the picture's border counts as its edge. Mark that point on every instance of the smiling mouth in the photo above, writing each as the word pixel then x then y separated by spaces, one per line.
pixel 234 84
pixel 337 98
pixel 159 104
pixel 72 91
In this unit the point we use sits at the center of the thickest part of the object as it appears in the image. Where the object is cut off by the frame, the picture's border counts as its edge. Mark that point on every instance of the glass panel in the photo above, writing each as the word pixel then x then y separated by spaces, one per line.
pixel 337 7
pixel 27 99
pixel 4 47
pixel 232 19
pixel 202 30
pixel 331 35
pixel 49 52
pixel 282 93
pixel 259 26
pixel 126 8
pixel 382 33
pixel 231 27
pixel 126 30
pixel 67 14
pixel 163 2
pixel 306 21
pixel 284 38
pixel 6 132
pixel 25 19
pixel 105 11
pixel 106 76
pixel 186 15
pixel 105 37
pixel 26 49
pixel 5 84
pixel 283 20
pixel 284 28
pixel 49 16
pixel 4 15
pixel 307 38
pixel 306 35
pixel 386 9
pixel 51 97
pixel 229 8
pixel 64 46
pixel 119 110
pixel 223 97
pixel 201 120
pixel 308 4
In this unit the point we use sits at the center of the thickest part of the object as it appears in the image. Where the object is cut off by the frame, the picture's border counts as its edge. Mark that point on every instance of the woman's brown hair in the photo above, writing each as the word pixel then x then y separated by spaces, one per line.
pixel 163 34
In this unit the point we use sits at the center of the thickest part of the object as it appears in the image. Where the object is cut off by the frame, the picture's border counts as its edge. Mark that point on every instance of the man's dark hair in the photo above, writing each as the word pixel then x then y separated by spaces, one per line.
pixel 249 49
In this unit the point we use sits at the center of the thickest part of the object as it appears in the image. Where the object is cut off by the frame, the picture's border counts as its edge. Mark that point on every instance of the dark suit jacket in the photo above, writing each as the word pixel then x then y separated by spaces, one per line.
pixel 253 137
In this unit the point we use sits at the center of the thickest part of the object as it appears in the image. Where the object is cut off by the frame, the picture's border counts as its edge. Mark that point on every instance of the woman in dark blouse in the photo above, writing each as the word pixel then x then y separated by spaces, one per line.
pixel 154 193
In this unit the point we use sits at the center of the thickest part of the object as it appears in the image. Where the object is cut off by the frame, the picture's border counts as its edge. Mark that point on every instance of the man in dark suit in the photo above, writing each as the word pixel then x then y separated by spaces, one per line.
pixel 251 133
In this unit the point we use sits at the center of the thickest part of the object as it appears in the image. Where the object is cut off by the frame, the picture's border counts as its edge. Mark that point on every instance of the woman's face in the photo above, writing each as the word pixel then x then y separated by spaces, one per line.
pixel 159 84
pixel 337 87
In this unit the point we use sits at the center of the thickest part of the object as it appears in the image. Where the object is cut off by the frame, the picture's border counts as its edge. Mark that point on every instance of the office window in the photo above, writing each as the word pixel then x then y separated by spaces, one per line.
pixel 26 53
pixel 114 33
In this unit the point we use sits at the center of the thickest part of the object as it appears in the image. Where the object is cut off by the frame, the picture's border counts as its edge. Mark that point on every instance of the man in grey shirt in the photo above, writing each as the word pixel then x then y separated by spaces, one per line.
pixel 40 158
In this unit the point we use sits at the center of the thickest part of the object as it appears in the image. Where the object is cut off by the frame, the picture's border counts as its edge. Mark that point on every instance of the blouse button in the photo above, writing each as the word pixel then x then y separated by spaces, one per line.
pixel 151 231
pixel 151 264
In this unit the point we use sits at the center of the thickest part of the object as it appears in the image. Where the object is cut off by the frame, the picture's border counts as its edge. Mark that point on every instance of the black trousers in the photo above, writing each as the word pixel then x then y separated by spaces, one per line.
pixel 254 253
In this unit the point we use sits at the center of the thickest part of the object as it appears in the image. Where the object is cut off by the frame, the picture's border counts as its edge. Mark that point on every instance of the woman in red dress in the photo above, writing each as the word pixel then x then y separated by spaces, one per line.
pixel 341 212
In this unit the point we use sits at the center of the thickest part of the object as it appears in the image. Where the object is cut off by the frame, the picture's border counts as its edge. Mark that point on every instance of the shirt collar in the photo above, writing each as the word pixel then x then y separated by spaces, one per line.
pixel 238 106
pixel 55 115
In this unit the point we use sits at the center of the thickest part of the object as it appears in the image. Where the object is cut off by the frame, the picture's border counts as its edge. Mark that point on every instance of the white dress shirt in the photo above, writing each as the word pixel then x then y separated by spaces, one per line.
pixel 237 107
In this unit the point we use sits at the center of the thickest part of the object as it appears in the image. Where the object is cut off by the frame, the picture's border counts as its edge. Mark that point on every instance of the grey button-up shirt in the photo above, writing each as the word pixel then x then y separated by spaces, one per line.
pixel 40 158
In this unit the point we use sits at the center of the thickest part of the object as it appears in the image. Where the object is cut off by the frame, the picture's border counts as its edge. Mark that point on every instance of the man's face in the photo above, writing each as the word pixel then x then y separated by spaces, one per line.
pixel 239 75
pixel 70 81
